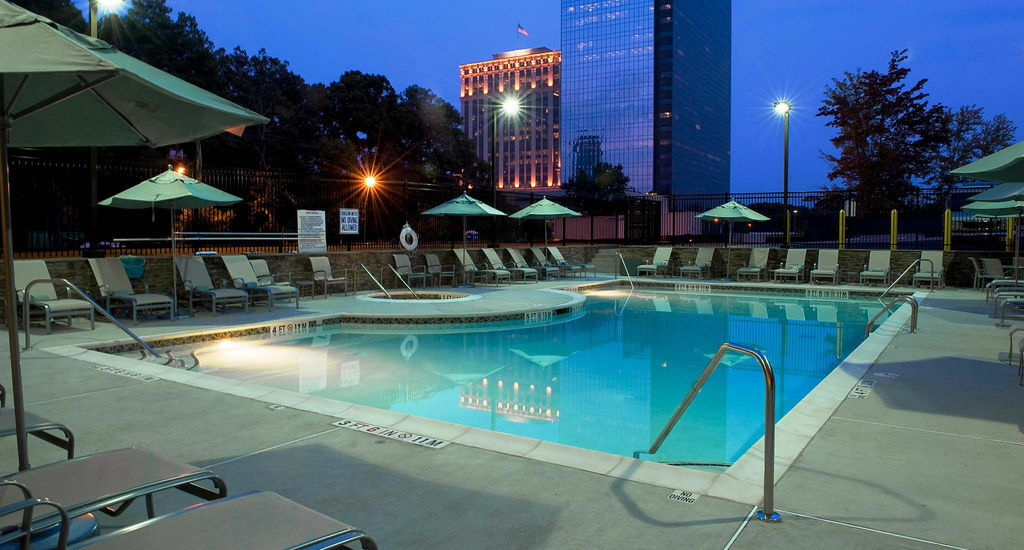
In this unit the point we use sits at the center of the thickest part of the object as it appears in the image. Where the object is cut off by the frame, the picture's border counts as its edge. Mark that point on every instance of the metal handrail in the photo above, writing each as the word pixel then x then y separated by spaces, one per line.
pixel 374 279
pixel 395 271
pixel 69 284
pixel 931 280
pixel 913 313
pixel 768 513
pixel 626 269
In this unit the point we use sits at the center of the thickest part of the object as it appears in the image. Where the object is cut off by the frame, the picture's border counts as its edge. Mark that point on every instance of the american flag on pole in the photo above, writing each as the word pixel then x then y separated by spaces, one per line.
pixel 521 30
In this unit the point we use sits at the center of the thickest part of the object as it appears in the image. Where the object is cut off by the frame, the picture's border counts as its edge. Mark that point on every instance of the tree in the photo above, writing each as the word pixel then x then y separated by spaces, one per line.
pixel 887 133
pixel 969 137
pixel 60 11
pixel 593 193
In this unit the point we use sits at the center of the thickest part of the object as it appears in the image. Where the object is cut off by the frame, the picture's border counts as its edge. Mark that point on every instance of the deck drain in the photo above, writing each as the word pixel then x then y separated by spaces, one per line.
pixel 274 407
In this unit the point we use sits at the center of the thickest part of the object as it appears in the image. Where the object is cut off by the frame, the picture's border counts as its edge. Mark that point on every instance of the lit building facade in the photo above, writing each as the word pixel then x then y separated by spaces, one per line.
pixel 646 84
pixel 528 146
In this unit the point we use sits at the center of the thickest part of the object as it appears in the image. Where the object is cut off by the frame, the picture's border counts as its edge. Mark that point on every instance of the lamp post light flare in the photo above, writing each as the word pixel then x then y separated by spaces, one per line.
pixel 782 108
pixel 510 107
pixel 370 181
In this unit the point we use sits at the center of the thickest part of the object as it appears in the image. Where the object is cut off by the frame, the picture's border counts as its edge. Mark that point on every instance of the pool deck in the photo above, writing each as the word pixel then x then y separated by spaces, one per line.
pixel 929 458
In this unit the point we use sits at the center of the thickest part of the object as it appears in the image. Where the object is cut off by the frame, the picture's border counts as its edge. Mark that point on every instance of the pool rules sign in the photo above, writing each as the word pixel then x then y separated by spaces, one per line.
pixel 312 231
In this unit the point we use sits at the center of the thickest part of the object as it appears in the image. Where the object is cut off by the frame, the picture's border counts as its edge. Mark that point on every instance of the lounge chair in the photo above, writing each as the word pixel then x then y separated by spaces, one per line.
pixel 701 265
pixel 520 262
pixel 407 272
pixel 105 482
pixel 543 264
pixel 36 426
pixel 251 520
pixel 263 275
pixel 199 286
pixel 474 273
pixel 756 265
pixel 243 276
pixel 932 272
pixel 560 261
pixel 45 297
pixel 878 267
pixel 792 311
pixel 793 266
pixel 115 287
pixel 496 263
pixel 321 266
pixel 826 313
pixel 435 268
pixel 827 266
pixel 659 262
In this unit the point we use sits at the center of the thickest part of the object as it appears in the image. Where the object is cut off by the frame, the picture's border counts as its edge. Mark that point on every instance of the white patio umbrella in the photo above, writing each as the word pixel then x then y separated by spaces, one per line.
pixel 731 211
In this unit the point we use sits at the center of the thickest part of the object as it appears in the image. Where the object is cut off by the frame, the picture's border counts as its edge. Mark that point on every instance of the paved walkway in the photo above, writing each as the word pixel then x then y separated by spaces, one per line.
pixel 930 458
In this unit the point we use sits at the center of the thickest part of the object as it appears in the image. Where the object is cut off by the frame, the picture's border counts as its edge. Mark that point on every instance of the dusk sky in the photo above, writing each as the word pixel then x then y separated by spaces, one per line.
pixel 971 52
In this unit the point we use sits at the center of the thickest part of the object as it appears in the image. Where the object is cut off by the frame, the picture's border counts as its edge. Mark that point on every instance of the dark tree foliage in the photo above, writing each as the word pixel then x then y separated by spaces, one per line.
pixel 887 133
pixel 60 11
pixel 591 192
pixel 971 137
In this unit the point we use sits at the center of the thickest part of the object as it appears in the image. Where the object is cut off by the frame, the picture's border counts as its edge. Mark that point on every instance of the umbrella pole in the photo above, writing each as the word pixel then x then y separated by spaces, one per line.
pixel 174 268
pixel 465 253
pixel 1016 250
pixel 12 324
pixel 728 254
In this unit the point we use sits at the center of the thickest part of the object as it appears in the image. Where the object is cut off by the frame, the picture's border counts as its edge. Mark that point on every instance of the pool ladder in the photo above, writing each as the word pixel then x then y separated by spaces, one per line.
pixel 905 298
pixel 767 513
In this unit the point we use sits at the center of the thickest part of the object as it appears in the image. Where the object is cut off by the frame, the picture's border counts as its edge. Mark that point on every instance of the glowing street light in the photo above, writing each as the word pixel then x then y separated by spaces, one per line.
pixel 782 108
pixel 370 181
pixel 180 170
pixel 510 107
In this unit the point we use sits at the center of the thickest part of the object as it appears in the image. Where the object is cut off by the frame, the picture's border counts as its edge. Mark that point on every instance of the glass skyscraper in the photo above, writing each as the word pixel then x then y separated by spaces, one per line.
pixel 646 84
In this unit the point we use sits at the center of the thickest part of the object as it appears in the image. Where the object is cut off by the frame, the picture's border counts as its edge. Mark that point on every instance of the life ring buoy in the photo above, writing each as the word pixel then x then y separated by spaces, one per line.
pixel 409 346
pixel 409 239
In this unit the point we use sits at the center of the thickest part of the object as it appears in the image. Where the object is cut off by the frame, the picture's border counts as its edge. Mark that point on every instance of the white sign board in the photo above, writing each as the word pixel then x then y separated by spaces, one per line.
pixel 312 231
pixel 349 221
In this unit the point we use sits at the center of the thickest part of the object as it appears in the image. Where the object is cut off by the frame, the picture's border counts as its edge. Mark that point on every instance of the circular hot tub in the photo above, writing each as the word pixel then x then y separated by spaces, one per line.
pixel 426 296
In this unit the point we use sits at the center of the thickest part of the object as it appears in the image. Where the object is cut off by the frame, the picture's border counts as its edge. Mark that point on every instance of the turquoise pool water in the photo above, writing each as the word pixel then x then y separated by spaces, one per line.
pixel 607 381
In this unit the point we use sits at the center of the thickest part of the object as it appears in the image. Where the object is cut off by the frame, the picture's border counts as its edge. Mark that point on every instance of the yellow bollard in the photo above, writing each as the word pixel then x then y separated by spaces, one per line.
pixel 947 230
pixel 1009 234
pixel 842 230
pixel 892 229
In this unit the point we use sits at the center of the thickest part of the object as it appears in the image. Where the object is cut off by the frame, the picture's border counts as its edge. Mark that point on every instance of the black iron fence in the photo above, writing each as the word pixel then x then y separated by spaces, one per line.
pixel 53 215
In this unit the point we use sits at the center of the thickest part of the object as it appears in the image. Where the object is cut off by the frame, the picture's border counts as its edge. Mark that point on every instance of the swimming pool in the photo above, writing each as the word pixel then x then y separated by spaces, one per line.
pixel 606 381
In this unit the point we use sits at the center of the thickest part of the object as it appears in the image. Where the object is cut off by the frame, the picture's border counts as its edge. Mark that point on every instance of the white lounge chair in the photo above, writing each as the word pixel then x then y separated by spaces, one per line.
pixel 44 297
pixel 659 262
pixel 827 266
pixel 756 265
pixel 115 287
pixel 878 267
pixel 520 262
pixel 441 271
pixel 198 285
pixel 474 273
pixel 409 273
pixel 930 269
pixel 263 275
pixel 793 266
pixel 701 265
pixel 243 276
pixel 321 266
pixel 496 263
pixel 543 262
pixel 560 261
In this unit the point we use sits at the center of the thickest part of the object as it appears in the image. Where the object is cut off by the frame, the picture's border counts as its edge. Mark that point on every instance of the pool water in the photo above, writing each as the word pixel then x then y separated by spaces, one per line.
pixel 607 381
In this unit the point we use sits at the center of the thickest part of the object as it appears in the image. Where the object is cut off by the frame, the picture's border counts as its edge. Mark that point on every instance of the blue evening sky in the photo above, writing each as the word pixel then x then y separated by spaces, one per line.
pixel 971 52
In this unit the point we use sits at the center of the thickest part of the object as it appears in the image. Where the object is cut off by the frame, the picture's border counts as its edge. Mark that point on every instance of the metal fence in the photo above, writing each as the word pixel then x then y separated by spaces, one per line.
pixel 52 215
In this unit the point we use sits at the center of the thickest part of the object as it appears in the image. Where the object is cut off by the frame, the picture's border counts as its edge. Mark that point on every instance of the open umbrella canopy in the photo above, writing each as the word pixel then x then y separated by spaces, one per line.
pixel 170 190
pixel 64 89
pixel 464 205
pixel 732 211
pixel 544 209
pixel 1006 165
pixel 995 209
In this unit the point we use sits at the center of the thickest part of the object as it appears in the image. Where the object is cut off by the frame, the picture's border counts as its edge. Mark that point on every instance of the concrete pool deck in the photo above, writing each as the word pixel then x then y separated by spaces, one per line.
pixel 930 456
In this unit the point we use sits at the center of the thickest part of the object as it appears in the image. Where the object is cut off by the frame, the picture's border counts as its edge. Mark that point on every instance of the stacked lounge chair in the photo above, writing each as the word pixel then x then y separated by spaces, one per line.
pixel 407 272
pixel 521 263
pixel 793 266
pixel 701 265
pixel 199 286
pixel 496 263
pixel 560 261
pixel 435 268
pixel 44 296
pixel 877 268
pixel 827 266
pixel 321 266
pixel 244 277
pixel 116 288
pixel 756 265
pixel 659 262
pixel 474 273
pixel 929 269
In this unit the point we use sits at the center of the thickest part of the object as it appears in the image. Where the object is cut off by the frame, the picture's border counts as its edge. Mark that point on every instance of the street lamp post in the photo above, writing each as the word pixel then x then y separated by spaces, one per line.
pixel 510 107
pixel 783 108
